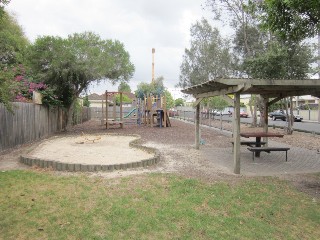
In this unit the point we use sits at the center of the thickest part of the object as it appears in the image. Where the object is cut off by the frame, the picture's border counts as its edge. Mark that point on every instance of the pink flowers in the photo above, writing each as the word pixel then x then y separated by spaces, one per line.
pixel 19 78
pixel 24 87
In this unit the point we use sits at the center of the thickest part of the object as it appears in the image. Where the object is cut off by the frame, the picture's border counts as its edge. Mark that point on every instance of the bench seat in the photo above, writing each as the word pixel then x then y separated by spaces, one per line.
pixel 249 143
pixel 268 150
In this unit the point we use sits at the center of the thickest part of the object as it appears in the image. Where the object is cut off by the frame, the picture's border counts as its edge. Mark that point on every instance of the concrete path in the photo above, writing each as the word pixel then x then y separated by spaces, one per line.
pixel 299 160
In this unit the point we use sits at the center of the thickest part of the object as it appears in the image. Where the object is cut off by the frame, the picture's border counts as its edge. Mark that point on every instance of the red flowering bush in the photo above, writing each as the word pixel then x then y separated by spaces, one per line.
pixel 26 86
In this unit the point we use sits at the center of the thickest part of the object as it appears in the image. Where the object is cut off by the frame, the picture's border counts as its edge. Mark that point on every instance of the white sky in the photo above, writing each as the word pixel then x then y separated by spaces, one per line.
pixel 140 24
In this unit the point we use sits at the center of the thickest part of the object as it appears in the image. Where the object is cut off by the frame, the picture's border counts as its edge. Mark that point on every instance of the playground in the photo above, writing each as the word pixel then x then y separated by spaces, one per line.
pixel 177 153
pixel 185 183
pixel 151 111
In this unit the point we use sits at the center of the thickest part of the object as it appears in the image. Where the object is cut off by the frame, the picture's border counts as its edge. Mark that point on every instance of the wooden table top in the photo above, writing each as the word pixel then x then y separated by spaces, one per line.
pixel 260 134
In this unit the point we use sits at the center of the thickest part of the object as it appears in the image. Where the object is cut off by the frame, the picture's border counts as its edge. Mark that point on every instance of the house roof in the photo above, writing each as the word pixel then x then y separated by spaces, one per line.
pixel 95 96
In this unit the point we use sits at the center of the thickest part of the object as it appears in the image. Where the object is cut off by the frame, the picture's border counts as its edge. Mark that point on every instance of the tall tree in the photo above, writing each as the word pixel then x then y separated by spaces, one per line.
pixel 169 99
pixel 279 61
pixel 236 14
pixel 12 48
pixel 12 40
pixel 292 19
pixel 124 87
pixel 179 102
pixel 2 4
pixel 207 58
pixel 72 64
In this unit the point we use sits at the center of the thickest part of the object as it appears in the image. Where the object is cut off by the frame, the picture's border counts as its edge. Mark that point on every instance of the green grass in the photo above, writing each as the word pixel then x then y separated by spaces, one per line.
pixel 37 205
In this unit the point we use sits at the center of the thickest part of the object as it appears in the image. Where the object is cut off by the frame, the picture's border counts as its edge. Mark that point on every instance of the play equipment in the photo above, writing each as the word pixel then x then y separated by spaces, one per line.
pixel 129 114
pixel 156 106
pixel 143 111
pixel 114 120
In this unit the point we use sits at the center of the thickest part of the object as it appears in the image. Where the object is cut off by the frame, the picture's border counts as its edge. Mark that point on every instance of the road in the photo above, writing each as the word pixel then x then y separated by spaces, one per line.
pixel 302 126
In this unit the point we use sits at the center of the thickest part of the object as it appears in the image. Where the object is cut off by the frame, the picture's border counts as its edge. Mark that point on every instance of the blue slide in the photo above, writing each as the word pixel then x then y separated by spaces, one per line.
pixel 128 115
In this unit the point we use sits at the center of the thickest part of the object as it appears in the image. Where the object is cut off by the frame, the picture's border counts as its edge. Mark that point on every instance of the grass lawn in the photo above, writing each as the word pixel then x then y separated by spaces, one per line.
pixel 39 205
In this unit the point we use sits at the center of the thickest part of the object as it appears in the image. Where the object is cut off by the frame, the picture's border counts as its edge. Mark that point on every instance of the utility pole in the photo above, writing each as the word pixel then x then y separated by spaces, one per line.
pixel 153 51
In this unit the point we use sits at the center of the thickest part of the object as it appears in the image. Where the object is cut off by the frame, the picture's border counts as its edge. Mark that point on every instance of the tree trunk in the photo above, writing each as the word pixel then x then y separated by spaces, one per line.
pixel 70 115
pixel 289 117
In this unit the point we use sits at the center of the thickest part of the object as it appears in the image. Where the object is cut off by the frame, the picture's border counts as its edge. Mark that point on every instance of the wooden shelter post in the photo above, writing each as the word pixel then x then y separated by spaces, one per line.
pixel 265 117
pixel 107 110
pixel 121 109
pixel 236 133
pixel 197 126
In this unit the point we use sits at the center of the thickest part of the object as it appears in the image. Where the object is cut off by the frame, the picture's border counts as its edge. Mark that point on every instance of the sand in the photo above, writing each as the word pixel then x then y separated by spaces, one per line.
pixel 105 150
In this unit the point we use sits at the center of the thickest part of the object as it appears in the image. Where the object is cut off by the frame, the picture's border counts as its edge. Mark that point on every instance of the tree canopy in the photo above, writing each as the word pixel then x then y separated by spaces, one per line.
pixel 279 61
pixel 207 58
pixel 12 48
pixel 71 64
pixel 12 40
pixel 156 87
pixel 292 19
pixel 124 87
pixel 179 102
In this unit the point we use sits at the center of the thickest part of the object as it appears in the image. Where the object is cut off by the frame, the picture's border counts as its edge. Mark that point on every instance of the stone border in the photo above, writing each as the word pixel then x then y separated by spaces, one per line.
pixel 78 167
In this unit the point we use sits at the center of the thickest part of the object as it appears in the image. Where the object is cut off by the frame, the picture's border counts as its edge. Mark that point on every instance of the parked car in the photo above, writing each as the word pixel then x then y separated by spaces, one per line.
pixel 173 113
pixel 280 114
pixel 244 114
pixel 217 113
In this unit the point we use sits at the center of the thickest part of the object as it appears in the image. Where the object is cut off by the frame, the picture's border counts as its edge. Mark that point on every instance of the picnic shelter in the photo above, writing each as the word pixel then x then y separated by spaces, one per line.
pixel 271 90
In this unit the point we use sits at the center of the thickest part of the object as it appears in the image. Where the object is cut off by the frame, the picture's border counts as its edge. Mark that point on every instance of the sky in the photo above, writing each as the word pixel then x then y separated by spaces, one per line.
pixel 140 24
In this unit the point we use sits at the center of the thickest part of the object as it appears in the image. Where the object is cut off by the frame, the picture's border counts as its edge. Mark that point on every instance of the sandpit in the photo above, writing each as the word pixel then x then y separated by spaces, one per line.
pixel 91 153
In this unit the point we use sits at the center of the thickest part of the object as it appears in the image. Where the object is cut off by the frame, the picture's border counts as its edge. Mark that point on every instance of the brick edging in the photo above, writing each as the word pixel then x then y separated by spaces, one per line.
pixel 78 167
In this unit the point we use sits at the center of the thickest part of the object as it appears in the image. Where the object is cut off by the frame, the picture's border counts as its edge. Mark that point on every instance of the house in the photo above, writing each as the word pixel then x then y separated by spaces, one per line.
pixel 97 100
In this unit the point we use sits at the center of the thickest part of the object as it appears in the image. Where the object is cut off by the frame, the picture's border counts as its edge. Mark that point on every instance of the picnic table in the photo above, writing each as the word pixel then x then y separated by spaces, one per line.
pixel 258 136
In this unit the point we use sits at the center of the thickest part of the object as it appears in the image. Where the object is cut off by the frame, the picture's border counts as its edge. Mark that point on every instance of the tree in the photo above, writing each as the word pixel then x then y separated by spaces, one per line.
pixel 72 64
pixel 12 46
pixel 279 61
pixel 2 4
pixel 207 58
pixel 238 17
pixel 169 99
pixel 6 86
pixel 125 99
pixel 86 101
pixel 248 36
pixel 216 103
pixel 291 19
pixel 124 87
pixel 12 41
pixel 154 88
pixel 179 102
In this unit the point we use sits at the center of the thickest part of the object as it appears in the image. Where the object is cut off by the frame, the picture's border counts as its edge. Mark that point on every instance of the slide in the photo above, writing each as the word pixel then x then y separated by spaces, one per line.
pixel 128 114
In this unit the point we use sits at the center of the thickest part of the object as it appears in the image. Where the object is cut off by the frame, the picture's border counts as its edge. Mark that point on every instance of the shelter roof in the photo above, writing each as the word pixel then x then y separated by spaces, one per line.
pixel 277 88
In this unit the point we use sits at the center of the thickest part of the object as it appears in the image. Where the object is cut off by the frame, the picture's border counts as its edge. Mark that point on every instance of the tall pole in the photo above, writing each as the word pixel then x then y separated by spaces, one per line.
pixel 153 51
pixel 319 75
